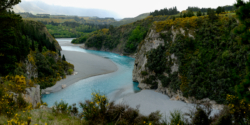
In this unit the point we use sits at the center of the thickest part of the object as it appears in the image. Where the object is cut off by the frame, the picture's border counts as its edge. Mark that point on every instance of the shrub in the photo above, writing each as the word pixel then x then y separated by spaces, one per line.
pixel 60 107
pixel 70 71
pixel 176 118
pixel 144 73
pixel 21 103
pixel 157 59
pixel 98 110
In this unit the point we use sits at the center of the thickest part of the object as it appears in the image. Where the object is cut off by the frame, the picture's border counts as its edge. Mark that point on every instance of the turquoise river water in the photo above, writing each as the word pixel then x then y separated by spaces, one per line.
pixel 121 80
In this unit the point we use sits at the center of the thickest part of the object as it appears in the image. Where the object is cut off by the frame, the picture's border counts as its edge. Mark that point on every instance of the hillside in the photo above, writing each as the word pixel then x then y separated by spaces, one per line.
pixel 130 20
pixel 123 39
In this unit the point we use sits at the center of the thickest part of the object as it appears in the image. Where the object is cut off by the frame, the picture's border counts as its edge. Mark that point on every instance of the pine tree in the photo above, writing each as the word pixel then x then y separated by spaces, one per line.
pixel 59 53
pixel 63 58
pixel 199 13
pixel 173 17
pixel 243 14
pixel 33 46
pixel 184 15
pixel 40 48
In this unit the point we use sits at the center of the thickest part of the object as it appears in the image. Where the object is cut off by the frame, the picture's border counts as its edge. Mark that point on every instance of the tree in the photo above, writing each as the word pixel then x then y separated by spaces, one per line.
pixel 199 13
pixel 33 46
pixel 181 15
pixel 40 48
pixel 243 14
pixel 5 4
pixel 211 14
pixel 223 10
pixel 184 15
pixel 10 39
pixel 190 13
pixel 111 28
pixel 218 10
pixel 63 58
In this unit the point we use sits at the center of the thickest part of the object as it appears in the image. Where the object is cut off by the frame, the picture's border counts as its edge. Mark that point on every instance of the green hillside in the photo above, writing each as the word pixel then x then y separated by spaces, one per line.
pixel 130 20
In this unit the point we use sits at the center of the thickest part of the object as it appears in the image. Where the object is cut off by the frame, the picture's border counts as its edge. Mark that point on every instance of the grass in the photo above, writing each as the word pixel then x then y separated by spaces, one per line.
pixel 42 116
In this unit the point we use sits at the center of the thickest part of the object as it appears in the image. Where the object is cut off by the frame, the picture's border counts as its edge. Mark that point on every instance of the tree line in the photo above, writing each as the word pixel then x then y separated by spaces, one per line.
pixel 165 11
pixel 203 10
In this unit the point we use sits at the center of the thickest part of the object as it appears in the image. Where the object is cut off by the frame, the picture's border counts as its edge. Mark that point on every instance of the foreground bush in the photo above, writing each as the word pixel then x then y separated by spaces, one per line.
pixel 99 110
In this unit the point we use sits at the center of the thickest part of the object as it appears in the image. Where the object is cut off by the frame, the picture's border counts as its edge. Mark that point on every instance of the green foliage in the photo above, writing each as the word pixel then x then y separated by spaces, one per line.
pixel 122 38
pixel 209 62
pixel 151 80
pixel 144 73
pixel 242 31
pixel 199 13
pixel 96 41
pixel 63 58
pixel 63 108
pixel 49 69
pixel 165 11
pixel 98 110
pixel 13 47
pixel 70 71
pixel 60 107
pixel 64 31
pixel 200 117
pixel 137 35
pixel 190 13
pixel 211 14
pixel 157 59
pixel 81 39
pixel 6 4
pixel 176 118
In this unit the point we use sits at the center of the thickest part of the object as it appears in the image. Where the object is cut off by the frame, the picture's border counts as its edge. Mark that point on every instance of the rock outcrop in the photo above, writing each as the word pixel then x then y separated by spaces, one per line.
pixel 33 95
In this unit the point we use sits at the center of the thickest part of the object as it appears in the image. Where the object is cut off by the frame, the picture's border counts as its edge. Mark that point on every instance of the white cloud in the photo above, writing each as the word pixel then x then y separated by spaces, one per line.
pixel 132 8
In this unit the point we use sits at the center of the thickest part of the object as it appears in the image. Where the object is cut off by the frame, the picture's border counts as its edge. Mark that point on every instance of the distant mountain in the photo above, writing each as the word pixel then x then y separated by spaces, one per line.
pixel 38 7
pixel 130 20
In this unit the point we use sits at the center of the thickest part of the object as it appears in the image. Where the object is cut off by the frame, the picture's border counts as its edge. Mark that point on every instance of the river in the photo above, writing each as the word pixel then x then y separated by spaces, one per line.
pixel 121 80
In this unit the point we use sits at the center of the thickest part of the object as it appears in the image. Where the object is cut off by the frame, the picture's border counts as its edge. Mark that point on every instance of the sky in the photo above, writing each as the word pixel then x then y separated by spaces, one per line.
pixel 133 8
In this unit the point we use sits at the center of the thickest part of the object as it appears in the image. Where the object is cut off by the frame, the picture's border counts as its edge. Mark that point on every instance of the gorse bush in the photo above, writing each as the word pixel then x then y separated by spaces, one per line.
pixel 99 110
pixel 11 95
pixel 176 118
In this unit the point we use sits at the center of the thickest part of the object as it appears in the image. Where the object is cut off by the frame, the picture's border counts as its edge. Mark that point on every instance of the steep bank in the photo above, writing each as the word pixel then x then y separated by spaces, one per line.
pixel 189 60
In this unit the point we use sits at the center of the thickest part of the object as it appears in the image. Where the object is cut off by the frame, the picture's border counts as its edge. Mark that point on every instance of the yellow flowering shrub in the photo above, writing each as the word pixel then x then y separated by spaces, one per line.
pixel 97 105
pixel 11 99
pixel 238 107
pixel 105 30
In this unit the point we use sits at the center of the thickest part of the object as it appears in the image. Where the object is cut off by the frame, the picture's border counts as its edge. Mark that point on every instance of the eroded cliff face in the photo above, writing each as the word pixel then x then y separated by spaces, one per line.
pixel 152 41
pixel 33 95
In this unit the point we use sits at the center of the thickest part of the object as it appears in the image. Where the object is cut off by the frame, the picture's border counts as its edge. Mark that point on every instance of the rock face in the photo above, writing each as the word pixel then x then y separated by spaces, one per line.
pixel 152 41
pixel 33 95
